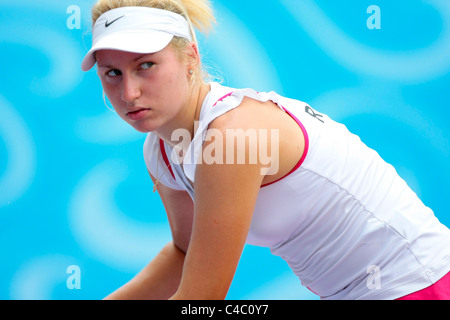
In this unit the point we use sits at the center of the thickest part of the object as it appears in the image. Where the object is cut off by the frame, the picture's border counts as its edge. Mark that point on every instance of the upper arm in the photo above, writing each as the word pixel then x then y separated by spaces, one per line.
pixel 180 211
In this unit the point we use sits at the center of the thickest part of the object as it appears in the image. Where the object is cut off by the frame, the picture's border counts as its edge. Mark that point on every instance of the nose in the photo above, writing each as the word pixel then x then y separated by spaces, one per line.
pixel 130 88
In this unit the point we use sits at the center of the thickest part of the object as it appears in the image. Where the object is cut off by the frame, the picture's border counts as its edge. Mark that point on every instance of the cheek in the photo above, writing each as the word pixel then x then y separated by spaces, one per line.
pixel 107 88
pixel 172 87
pixel 111 92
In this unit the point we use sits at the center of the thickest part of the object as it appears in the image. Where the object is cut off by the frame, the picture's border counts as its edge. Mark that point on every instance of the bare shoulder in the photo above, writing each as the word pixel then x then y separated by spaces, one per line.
pixel 265 126
pixel 250 113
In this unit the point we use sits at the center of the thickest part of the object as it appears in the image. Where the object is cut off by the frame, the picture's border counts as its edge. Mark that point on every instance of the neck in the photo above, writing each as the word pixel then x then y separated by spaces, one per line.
pixel 187 116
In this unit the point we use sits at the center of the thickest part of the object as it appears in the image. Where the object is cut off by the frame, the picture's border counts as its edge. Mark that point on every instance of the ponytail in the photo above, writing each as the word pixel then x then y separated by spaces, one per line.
pixel 199 13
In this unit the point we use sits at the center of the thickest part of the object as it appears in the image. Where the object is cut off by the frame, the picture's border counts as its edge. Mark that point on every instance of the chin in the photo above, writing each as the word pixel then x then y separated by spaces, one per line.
pixel 143 127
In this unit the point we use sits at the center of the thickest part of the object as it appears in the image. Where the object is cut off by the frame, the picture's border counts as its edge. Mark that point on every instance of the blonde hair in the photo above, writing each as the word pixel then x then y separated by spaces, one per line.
pixel 198 13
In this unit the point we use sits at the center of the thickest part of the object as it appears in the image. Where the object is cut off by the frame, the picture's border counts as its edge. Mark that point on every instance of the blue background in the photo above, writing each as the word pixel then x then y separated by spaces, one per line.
pixel 73 184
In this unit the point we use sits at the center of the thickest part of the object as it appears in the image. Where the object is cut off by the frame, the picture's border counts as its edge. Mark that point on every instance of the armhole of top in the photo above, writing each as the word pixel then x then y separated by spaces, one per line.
pixel 305 151
pixel 165 158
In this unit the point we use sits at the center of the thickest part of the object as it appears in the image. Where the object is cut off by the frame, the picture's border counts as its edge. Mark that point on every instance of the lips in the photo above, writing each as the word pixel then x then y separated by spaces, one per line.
pixel 138 114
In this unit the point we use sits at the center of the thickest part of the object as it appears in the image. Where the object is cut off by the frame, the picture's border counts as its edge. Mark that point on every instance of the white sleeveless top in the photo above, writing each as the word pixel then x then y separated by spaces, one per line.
pixel 343 220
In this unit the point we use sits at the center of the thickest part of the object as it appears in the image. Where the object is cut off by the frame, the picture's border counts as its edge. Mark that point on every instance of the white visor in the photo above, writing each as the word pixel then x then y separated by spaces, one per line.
pixel 135 29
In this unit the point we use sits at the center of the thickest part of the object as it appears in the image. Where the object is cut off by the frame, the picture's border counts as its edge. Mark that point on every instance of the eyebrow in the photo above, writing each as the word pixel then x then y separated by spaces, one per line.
pixel 141 56
pixel 134 60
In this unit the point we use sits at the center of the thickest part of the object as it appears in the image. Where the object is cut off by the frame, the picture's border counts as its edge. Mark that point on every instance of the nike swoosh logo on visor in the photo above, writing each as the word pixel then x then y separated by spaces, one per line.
pixel 107 24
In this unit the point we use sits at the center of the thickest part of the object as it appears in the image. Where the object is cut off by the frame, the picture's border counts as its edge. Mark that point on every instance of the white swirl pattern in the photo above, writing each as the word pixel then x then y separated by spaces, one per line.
pixel 20 154
pixel 422 64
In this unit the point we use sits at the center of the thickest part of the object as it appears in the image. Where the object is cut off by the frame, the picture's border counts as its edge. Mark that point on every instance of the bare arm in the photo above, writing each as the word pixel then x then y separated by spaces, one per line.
pixel 157 281
pixel 160 279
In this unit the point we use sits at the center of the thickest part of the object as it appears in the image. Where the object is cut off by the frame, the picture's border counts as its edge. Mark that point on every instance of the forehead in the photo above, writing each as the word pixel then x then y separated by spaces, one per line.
pixel 108 57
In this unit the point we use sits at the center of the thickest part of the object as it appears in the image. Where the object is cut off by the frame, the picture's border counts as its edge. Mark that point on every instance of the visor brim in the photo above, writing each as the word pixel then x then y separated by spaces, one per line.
pixel 136 42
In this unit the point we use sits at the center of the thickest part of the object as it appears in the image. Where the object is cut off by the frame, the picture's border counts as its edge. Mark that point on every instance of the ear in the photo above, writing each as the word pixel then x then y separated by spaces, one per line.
pixel 193 55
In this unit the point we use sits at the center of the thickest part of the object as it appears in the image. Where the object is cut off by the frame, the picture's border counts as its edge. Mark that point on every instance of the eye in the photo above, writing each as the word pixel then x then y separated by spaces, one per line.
pixel 146 65
pixel 114 73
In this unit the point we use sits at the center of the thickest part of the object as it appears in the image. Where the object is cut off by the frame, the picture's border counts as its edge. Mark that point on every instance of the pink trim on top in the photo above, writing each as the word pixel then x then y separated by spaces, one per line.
pixel 305 151
pixel 302 127
pixel 166 160
pixel 225 96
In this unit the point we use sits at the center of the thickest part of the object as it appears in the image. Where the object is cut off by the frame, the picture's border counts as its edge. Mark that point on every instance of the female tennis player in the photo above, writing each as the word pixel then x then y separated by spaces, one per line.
pixel 341 217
